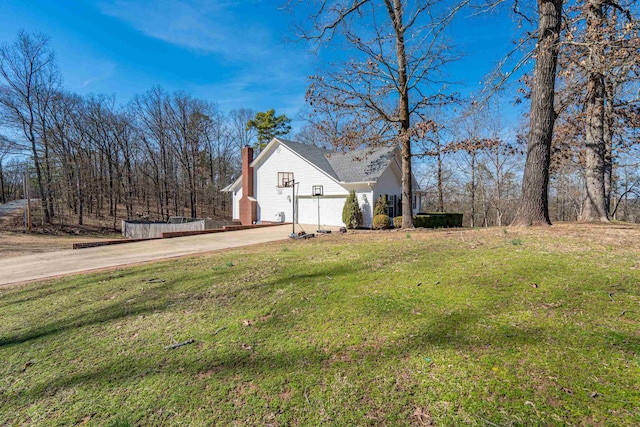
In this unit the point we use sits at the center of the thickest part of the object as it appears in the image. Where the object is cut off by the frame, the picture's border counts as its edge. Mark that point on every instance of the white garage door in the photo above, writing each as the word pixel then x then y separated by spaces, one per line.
pixel 330 211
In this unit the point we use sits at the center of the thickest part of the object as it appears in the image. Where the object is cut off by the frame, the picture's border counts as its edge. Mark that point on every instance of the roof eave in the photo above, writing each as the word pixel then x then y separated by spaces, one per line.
pixel 232 187
pixel 358 183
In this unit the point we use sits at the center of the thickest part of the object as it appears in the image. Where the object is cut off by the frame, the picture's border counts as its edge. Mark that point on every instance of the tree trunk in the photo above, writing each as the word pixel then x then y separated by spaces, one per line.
pixel 79 192
pixel 595 208
pixel 473 189
pixel 608 142
pixel 396 15
pixel 440 189
pixel 534 204
pixel 41 187
pixel 498 189
pixel 2 198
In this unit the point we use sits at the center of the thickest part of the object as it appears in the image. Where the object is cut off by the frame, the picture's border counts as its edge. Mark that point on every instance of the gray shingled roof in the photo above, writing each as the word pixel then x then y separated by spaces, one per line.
pixel 313 154
pixel 363 165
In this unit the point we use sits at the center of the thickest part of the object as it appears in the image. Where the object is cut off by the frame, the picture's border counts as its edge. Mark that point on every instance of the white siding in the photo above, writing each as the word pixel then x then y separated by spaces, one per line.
pixel 390 183
pixel 330 210
pixel 418 205
pixel 367 203
pixel 364 194
pixel 237 195
pixel 272 201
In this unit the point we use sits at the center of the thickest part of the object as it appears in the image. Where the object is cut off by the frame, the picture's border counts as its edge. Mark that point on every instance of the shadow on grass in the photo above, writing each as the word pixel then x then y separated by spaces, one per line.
pixel 152 299
pixel 145 302
pixel 34 292
pixel 443 330
pixel 192 362
pixel 29 294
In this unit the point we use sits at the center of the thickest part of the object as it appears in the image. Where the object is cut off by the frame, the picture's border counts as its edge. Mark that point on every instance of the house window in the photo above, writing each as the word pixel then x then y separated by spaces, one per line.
pixel 392 203
pixel 415 201
pixel 285 179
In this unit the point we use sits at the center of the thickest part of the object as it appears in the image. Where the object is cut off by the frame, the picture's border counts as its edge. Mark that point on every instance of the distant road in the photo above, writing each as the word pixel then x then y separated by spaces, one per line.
pixel 10 207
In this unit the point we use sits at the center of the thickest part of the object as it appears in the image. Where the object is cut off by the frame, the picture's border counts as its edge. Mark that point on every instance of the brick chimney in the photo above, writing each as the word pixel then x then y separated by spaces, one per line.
pixel 248 211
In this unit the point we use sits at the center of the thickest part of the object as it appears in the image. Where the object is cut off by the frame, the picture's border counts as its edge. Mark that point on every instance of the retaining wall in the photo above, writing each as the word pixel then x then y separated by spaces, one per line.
pixel 152 230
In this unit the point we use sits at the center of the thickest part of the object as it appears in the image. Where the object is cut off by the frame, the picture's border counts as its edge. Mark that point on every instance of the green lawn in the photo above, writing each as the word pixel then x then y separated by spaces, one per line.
pixel 489 327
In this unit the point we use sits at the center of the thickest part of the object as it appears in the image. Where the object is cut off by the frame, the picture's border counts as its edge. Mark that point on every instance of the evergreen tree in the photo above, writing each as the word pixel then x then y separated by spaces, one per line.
pixel 382 206
pixel 268 126
pixel 351 213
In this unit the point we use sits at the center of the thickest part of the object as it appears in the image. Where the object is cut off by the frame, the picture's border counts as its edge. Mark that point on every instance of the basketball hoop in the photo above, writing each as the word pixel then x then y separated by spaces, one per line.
pixel 279 190
pixel 317 191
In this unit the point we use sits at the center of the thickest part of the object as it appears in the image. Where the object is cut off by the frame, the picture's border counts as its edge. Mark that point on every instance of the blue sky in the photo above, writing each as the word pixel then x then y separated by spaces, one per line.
pixel 232 52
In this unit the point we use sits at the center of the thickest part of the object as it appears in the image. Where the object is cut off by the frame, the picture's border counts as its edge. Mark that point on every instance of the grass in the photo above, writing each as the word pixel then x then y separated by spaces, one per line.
pixel 412 328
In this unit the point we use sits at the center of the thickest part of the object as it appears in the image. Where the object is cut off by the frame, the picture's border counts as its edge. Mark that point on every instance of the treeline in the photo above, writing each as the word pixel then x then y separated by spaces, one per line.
pixel 163 154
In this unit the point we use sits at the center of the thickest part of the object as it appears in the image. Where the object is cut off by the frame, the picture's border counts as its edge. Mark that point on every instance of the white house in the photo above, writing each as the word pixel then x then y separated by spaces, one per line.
pixel 321 181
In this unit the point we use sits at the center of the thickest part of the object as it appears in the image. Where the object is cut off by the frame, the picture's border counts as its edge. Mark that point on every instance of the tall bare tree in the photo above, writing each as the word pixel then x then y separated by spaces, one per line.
pixel 239 131
pixel 30 79
pixel 534 202
pixel 7 147
pixel 599 63
pixel 599 73
pixel 595 201
pixel 397 50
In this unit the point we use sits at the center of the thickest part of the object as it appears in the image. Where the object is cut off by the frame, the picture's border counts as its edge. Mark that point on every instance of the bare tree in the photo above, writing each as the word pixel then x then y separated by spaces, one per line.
pixel 329 126
pixel 397 52
pixel 239 131
pixel 609 52
pixel 534 203
pixel 595 201
pixel 7 147
pixel 150 113
pixel 30 76
pixel 186 123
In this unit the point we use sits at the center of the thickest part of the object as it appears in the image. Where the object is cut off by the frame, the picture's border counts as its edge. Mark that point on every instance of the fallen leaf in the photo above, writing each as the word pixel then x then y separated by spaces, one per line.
pixel 424 416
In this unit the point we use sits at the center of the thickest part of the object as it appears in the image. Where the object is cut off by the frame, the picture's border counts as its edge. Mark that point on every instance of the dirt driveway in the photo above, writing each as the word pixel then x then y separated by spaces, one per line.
pixel 51 264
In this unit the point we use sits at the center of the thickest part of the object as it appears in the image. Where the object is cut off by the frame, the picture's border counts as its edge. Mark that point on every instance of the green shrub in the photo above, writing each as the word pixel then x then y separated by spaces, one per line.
pixel 381 221
pixel 351 213
pixel 381 207
pixel 438 220
pixel 397 222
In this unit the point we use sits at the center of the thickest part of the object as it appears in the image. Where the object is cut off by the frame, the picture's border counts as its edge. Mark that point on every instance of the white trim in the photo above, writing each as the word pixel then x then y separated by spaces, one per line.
pixel 358 183
pixel 232 187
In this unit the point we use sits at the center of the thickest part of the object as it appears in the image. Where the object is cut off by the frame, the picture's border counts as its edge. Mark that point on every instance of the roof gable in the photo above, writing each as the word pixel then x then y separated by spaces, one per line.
pixel 313 154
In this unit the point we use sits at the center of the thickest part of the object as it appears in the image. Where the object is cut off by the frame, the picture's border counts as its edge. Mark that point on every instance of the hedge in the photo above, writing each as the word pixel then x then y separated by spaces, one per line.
pixel 437 220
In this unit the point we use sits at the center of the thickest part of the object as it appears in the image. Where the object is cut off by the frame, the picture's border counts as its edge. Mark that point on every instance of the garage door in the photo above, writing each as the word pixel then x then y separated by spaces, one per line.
pixel 330 211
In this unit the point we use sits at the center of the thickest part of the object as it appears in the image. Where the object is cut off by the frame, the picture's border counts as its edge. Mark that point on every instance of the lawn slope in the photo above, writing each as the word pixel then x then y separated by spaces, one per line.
pixel 467 327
